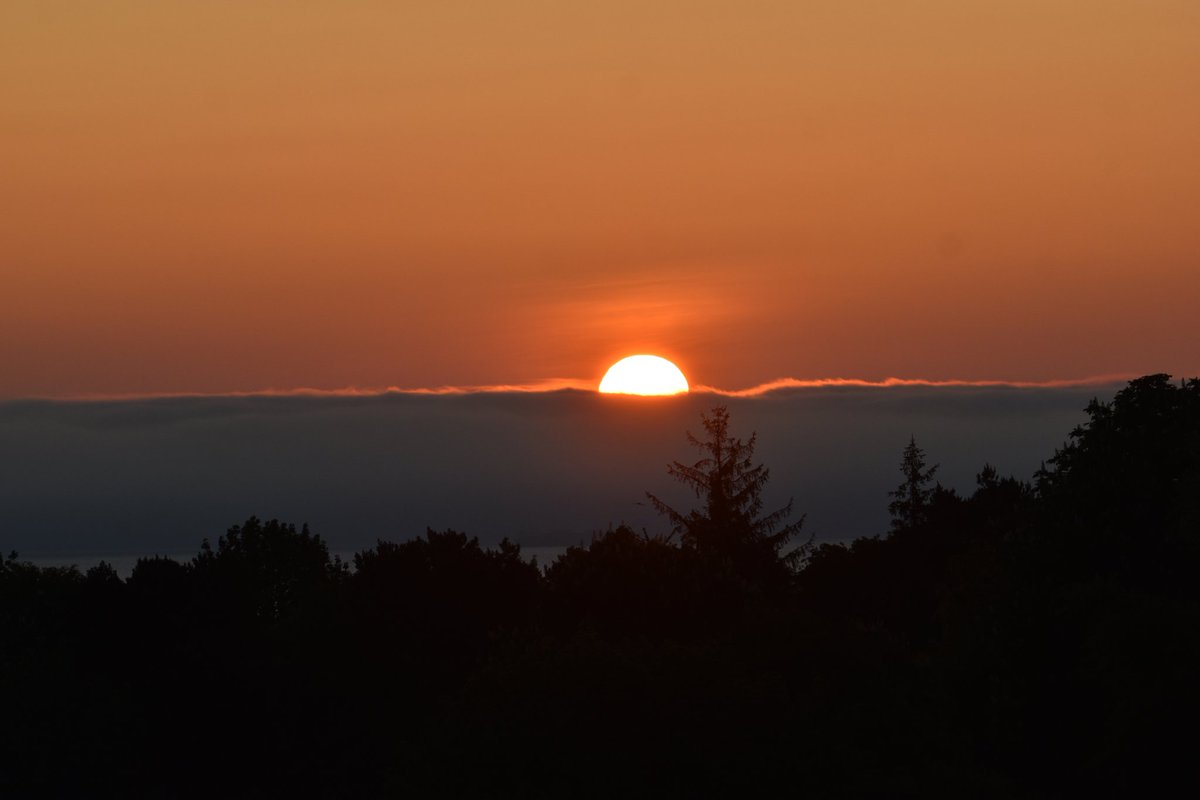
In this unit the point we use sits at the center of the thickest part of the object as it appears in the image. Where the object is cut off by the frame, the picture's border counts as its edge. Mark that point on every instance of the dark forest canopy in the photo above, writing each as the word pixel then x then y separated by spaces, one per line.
pixel 1025 639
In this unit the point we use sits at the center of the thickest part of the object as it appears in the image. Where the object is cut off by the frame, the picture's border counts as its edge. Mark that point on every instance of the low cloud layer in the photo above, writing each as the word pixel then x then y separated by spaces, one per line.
pixel 140 476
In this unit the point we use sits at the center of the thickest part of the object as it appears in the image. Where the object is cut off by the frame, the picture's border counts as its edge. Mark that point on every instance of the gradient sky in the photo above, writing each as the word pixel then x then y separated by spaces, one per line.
pixel 233 195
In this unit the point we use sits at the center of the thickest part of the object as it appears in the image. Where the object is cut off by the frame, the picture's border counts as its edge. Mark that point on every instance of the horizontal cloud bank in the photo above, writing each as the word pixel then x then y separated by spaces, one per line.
pixel 580 384
pixel 547 468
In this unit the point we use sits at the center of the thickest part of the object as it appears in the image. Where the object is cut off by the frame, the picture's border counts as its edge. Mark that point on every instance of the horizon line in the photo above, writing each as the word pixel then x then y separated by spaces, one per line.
pixel 552 385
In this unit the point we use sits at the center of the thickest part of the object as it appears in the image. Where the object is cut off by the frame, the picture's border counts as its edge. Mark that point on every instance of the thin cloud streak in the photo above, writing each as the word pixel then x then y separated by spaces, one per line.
pixel 579 384
pixel 781 384
pixel 549 385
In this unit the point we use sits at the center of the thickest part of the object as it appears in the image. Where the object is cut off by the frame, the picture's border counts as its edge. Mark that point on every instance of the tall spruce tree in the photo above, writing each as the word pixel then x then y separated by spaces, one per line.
pixel 729 525
pixel 910 503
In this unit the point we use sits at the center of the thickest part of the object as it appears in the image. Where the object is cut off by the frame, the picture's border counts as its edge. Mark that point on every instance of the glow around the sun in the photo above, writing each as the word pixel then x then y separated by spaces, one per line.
pixel 645 375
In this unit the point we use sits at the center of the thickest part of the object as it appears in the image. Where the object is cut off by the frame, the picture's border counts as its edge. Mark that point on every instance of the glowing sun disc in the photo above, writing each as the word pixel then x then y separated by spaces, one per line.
pixel 647 375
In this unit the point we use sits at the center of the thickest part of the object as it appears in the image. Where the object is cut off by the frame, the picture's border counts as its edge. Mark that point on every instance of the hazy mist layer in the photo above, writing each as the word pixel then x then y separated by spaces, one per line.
pixel 147 476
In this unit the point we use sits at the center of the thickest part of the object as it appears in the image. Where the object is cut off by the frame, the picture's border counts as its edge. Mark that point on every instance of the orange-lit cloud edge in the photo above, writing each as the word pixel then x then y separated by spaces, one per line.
pixel 576 384
pixel 781 384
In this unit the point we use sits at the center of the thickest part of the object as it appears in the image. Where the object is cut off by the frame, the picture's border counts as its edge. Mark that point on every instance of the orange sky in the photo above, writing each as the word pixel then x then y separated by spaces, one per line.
pixel 235 195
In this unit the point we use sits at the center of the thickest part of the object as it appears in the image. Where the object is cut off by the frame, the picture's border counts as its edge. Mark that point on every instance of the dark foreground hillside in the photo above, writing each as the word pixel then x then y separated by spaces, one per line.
pixel 1027 640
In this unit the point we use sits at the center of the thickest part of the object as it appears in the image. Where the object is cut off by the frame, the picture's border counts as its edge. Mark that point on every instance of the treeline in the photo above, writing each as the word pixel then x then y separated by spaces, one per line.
pixel 1028 639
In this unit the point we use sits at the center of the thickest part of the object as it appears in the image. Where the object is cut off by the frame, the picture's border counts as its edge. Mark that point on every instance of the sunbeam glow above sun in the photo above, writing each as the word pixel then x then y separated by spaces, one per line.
pixel 645 375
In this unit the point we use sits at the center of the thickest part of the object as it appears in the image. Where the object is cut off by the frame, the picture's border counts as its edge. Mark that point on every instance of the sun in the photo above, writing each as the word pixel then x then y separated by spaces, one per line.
pixel 646 375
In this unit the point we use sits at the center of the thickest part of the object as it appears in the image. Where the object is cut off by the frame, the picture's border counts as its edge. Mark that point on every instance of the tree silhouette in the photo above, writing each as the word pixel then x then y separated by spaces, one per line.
pixel 271 567
pixel 728 526
pixel 1125 489
pixel 910 506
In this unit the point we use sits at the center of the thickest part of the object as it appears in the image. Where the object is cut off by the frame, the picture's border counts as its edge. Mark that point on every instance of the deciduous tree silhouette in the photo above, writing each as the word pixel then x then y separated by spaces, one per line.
pixel 910 506
pixel 270 567
pixel 729 526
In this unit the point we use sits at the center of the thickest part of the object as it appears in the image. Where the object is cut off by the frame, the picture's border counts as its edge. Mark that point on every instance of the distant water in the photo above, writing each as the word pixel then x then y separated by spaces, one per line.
pixel 124 563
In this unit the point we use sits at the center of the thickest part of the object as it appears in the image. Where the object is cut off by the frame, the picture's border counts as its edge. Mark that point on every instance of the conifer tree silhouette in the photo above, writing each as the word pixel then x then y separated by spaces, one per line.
pixel 910 506
pixel 728 526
